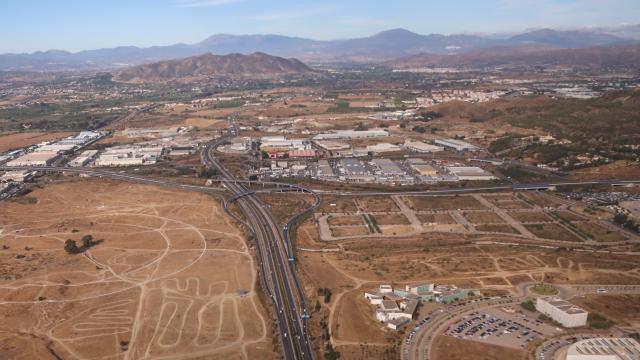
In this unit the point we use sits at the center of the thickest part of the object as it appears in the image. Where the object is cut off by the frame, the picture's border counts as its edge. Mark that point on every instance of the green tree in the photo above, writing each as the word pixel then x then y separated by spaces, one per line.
pixel 87 241
pixel 70 247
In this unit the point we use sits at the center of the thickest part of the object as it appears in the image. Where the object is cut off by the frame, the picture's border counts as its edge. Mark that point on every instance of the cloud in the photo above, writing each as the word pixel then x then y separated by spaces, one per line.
pixel 203 3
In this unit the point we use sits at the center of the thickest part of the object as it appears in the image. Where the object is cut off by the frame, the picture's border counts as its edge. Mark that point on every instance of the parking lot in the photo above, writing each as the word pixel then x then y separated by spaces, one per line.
pixel 498 327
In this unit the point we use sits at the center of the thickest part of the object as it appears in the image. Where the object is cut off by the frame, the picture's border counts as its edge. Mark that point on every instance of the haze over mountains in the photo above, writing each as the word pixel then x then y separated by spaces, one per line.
pixel 384 46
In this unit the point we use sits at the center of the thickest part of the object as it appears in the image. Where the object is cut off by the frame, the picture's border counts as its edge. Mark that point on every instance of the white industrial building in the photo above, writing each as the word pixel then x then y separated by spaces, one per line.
pixel 421 147
pixel 281 143
pixel 129 155
pixel 470 173
pixel 604 349
pixel 84 158
pixel 37 158
pixel 352 134
pixel 457 145
pixel 562 311
pixel 382 148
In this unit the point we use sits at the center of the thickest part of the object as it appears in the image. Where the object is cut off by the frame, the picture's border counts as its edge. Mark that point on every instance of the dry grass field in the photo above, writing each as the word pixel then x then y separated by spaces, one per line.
pixel 19 140
pixel 623 309
pixel 169 275
pixel 462 202
pixel 449 348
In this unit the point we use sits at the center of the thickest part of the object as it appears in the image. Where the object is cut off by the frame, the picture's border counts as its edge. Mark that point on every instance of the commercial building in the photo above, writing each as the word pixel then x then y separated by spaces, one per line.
pixel 36 158
pixel 562 311
pixel 470 173
pixel 382 148
pixel 302 153
pixel 457 145
pixel 388 167
pixel 352 134
pixel 280 143
pixel 129 156
pixel 604 349
pixel 324 170
pixel 332 145
pixel 83 159
pixel 17 176
pixel 419 146
pixel 425 169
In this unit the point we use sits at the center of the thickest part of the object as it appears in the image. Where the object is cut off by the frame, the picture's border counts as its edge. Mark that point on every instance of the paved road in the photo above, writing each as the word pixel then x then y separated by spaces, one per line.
pixel 275 257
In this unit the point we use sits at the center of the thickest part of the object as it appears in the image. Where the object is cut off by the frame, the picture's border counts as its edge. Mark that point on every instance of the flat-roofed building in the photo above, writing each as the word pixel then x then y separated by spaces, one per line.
pixel 383 147
pixel 470 173
pixel 83 159
pixel 388 167
pixel 37 158
pixel 425 169
pixel 562 311
pixel 324 170
pixel 604 349
pixel 457 145
pixel 419 146
pixel 351 134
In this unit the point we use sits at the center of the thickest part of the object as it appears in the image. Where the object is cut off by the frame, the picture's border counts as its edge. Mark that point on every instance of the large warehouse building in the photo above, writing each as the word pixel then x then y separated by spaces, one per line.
pixel 562 311
pixel 604 349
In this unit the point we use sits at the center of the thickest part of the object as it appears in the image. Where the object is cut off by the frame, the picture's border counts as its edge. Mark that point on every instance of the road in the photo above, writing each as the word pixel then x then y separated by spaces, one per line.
pixel 275 259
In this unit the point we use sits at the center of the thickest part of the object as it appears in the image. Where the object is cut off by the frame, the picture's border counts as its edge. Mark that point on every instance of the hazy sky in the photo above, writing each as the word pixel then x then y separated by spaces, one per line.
pixel 30 25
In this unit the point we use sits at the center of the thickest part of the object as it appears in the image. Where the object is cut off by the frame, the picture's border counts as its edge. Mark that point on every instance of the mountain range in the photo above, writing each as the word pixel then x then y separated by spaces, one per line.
pixel 256 65
pixel 384 46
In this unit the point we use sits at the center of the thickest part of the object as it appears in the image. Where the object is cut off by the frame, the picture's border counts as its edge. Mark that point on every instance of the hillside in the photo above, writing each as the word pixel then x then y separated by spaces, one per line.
pixel 601 56
pixel 256 65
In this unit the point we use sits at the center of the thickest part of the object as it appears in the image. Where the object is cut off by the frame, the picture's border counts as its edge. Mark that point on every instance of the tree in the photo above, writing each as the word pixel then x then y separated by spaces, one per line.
pixel 70 247
pixel 87 241
pixel 620 218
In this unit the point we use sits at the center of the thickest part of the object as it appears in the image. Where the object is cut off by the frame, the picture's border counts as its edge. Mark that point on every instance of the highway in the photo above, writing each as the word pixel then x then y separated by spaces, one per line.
pixel 275 259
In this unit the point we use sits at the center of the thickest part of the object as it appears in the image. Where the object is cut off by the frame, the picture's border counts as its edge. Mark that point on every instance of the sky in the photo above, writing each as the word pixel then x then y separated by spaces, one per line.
pixel 74 25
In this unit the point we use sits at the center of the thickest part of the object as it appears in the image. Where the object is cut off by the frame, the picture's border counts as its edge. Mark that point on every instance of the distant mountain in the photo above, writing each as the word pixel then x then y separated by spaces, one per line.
pixel 256 65
pixel 387 45
pixel 596 57
pixel 566 39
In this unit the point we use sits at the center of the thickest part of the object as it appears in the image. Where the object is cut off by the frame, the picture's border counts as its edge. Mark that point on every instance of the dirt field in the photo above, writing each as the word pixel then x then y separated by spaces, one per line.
pixel 623 309
pixel 530 216
pixel 346 220
pixel 482 217
pixel 552 231
pixel 169 274
pixel 443 203
pixel 391 219
pixel 441 218
pixel 449 348
pixel 499 228
pixel 599 233
pixel 19 140
pixel 378 204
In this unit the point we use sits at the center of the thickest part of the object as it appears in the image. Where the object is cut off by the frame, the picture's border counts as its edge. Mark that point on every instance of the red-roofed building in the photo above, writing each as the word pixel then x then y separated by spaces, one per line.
pixel 302 153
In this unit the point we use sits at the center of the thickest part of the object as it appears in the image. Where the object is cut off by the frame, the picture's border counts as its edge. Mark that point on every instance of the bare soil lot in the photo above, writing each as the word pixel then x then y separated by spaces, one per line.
pixel 20 140
pixel 599 233
pixel 391 219
pixel 461 202
pixel 623 309
pixel 169 274
pixel 439 218
pixel 449 348
pixel 378 204
pixel 346 220
pixel 552 231
pixel 530 216
pixel 499 228
pixel 483 217
pixel 349 231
